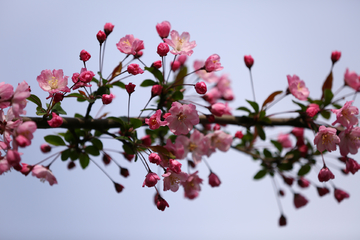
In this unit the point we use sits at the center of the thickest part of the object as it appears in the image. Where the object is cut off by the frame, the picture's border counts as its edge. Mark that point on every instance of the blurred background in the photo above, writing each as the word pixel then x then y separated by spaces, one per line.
pixel 284 37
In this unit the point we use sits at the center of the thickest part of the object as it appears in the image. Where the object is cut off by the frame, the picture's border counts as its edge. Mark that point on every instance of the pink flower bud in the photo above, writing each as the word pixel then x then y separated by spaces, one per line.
pixel 26 169
pixel 84 56
pixel 151 179
pixel 200 88
pixel 130 88
pixel 154 158
pixel 288 180
pixel 106 159
pixel 182 59
pixel 58 97
pixel 175 166
pixel 128 157
pixel 56 121
pixel 161 203
pixel 86 76
pixel 138 54
pixel 118 187
pixel 213 64
pixel 312 109
pixel 335 56
pixel 325 175
pixel 302 182
pixel 299 200
pixel 214 180
pixel 239 135
pixel 134 69
pixel 340 195
pixel 163 29
pixel 163 49
pixel 108 28
pixel 175 65
pixel 107 98
pixel 157 64
pixel 156 90
pixel 218 109
pixel 13 157
pixel 124 172
pixel 45 148
pixel 322 191
pixel 216 127
pixel 282 220
pixel 71 165
pixel 249 61
pixel 101 37
pixel 146 140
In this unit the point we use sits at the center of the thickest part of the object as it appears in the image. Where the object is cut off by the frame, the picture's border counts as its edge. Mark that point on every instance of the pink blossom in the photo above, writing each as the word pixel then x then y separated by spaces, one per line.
pixel 212 96
pixel 157 64
pixel 175 65
pixel 200 87
pixel 163 29
pixel 6 92
pixel 182 59
pixel 76 80
pixel 249 61
pixel 177 148
pixel 45 148
pixel 163 49
pixel 156 90
pixel 124 172
pixel 44 174
pixel 180 44
pixel 288 180
pixel 146 140
pixel 192 185
pixel 220 140
pixel 58 97
pixel 154 121
pixel 216 127
pixel 335 56
pixel 26 169
pixel 284 140
pixel 130 45
pixel 86 76
pixel 84 55
pixel 210 77
pixel 218 109
pixel 349 141
pixel 107 98
pixel 214 180
pixel 346 115
pixel 212 64
pixel 325 174
pixel 108 28
pixel 312 109
pixel 298 132
pixel 340 194
pixel 197 144
pixel 297 87
pixel 134 69
pixel 326 138
pixel 352 80
pixel 13 157
pixel 322 191
pixel 299 200
pixel 182 118
pixel 154 158
pixel 302 182
pixel 151 179
pixel 56 120
pixel 130 88
pixel 175 166
pixel 172 180
pixel 53 82
pixel 25 133
pixel 18 101
pixel 4 165
pixel 101 37
pixel 239 135
pixel 352 166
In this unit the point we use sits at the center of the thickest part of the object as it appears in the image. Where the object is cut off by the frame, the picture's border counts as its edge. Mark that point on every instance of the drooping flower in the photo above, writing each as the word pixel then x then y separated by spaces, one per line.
pixel 118 187
pixel 18 101
pixel 220 140
pixel 180 44
pixel 312 109
pixel 172 180
pixel 249 61
pixel 209 77
pixel 177 148
pixel 44 174
pixel 352 166
pixel 340 194
pixel 156 90
pixel 346 115
pixel 151 179
pixel 326 138
pixel 302 182
pixel 182 119
pixel 325 174
pixel 282 220
pixel 322 191
pixel 134 69
pixel 154 158
pixel 349 141
pixel 25 133
pixel 214 180
pixel 192 185
pixel 197 144
pixel 56 120
pixel 13 157
pixel 4 165
pixel 297 87
pixel 175 166
pixel 299 200
pixel 130 45
pixel 53 81
pixel 212 64
pixel 6 92
pixel 154 121
pixel 352 80
pixel 163 29
pixel 161 203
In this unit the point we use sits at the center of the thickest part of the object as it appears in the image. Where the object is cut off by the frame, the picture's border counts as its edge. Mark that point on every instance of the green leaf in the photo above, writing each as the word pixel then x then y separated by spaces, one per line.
pixel 58 109
pixel 147 83
pixel 119 84
pixel 277 145
pixel 92 150
pixel 260 132
pixel 33 98
pixel 54 140
pixel 267 153
pixel 254 105
pixel 157 74
pixel 40 111
pixel 84 160
pixel 97 143
pixel 302 106
pixel 65 154
pixel 77 115
pixel 136 123
pixel 260 174
pixel 304 170
pixel 325 114
pixel 74 154
pixel 177 96
pixel 102 90
pixel 244 109
pixel 328 96
pixel 128 148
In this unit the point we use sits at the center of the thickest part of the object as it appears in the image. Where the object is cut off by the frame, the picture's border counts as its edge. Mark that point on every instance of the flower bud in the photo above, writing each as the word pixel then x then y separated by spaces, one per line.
pixel 157 64
pixel 249 61
pixel 335 56
pixel 124 172
pixel 200 88
pixel 151 179
pixel 161 203
pixel 45 148
pixel 214 180
pixel 101 37
pixel 282 220
pixel 340 195
pixel 146 140
pixel 154 158
pixel 239 135
pixel 108 28
pixel 325 174
pixel 299 200
pixel 182 59
pixel 134 69
pixel 163 29
pixel 130 88
pixel 322 191
pixel 107 98
pixel 118 187
pixel 175 65
pixel 156 90
pixel 106 159
pixel 71 165
pixel 302 182
pixel 84 56
pixel 218 109
pixel 56 121
pixel 312 109
pixel 163 49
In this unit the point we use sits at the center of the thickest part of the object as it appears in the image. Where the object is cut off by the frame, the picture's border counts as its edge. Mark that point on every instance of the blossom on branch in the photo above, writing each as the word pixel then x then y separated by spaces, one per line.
pixel 182 118
pixel 326 138
pixel 180 43
pixel 346 115
pixel 297 87
pixel 53 81
pixel 130 45
pixel 44 174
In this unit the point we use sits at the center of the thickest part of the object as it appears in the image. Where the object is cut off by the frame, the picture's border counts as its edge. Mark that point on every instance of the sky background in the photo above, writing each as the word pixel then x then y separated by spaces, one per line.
pixel 284 37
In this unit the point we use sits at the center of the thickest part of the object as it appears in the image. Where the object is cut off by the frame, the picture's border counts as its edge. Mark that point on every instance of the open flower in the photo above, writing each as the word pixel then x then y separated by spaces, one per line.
pixel 154 121
pixel 180 44
pixel 346 115
pixel 297 87
pixel 53 81
pixel 352 80
pixel 130 45
pixel 182 118
pixel 349 141
pixel 212 64
pixel 326 138
pixel 44 174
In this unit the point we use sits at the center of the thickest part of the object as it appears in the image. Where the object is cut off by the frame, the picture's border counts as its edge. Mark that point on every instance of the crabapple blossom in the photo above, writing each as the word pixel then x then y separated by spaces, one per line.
pixel 197 144
pixel 212 64
pixel 4 165
pixel 13 157
pixel 25 133
pixel 302 182
pixel 326 139
pixel 156 90
pixel 340 194
pixel 108 28
pixel 124 172
pixel 175 65
pixel 175 166
pixel 146 140
pixel 180 43
pixel 349 141
pixel 86 76
pixel 220 140
pixel 352 166
pixel 154 158
pixel 209 77
pixel 76 80
pixel 130 88
pixel 322 191
pixel 130 45
pixel 101 37
pixel 56 120
pixel 282 220
pixel 163 29
pixel 325 174
pixel 53 81
pixel 284 140
pixel 182 119
pixel 200 87
pixel 212 96
pixel 239 135
pixel 177 148
pixel 151 179
pixel 299 200
pixel 58 97
pixel 84 55
pixel 26 169
pixel 157 64
pixel 154 121
pixel 107 98
pixel 352 80
pixel 288 180
pixel 172 180
pixel 182 59
pixel 6 92
pixel 134 69
pixel 218 109
pixel 335 56
pixel 214 180
pixel 216 127
pixel 192 185
pixel 118 187
pixel 346 115
pixel 297 87
pixel 163 49
pixel 249 61
pixel 312 109
pixel 18 101
pixel 161 203
pixel 44 173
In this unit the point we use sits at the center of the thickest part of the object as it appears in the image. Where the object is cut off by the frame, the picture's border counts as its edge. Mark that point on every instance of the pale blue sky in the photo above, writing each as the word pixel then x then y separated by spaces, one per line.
pixel 284 37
